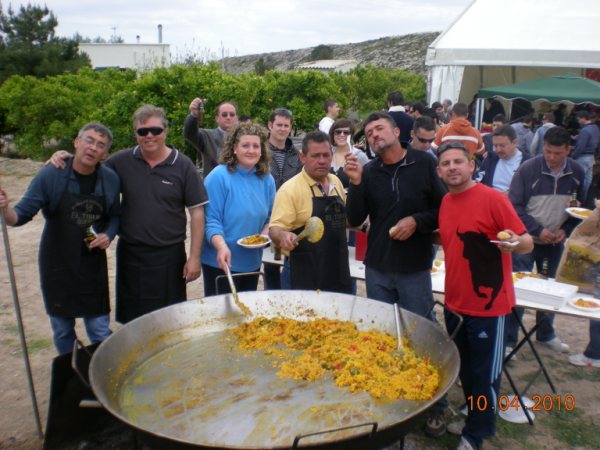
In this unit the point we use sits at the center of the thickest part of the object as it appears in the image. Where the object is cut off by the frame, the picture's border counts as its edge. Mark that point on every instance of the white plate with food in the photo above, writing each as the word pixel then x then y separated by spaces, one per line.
pixel 507 243
pixel 254 241
pixel 519 275
pixel 585 304
pixel 579 213
pixel 438 266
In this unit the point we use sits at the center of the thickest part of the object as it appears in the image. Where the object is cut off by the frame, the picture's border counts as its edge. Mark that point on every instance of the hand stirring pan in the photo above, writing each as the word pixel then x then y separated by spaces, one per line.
pixel 236 298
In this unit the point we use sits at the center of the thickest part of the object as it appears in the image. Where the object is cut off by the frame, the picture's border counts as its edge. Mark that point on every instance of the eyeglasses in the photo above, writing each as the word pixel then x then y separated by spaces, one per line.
pixel 451 145
pixel 230 114
pixel 425 141
pixel 94 143
pixel 155 131
pixel 339 132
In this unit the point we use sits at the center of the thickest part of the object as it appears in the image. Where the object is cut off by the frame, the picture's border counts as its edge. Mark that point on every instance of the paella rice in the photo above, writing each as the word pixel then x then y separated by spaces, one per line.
pixel 356 360
pixel 254 239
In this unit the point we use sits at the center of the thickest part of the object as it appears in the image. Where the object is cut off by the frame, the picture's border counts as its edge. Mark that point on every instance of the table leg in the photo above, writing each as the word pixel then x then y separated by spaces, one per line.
pixel 542 369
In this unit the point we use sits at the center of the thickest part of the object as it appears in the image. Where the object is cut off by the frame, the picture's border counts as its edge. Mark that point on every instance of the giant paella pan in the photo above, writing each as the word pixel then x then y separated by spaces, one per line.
pixel 170 376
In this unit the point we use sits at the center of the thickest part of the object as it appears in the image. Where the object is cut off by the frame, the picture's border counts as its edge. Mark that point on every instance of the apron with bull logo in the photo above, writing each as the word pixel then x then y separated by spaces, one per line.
pixel 74 278
pixel 324 264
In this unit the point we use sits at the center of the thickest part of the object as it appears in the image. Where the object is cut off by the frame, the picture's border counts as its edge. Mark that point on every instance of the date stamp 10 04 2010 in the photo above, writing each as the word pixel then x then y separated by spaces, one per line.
pixel 538 403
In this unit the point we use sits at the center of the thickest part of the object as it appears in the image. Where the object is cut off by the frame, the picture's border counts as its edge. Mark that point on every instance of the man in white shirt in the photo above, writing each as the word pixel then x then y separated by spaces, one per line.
pixel 332 111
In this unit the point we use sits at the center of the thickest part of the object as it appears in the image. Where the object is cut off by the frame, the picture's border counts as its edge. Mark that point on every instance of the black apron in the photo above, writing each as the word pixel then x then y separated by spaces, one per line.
pixel 74 278
pixel 324 264
pixel 148 278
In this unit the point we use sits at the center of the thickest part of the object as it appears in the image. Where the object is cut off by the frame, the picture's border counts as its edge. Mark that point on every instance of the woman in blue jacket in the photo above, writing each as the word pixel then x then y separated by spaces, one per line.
pixel 241 192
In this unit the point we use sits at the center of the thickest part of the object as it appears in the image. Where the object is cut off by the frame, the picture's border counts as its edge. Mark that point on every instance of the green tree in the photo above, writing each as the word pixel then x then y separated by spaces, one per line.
pixel 28 45
pixel 45 113
pixel 321 52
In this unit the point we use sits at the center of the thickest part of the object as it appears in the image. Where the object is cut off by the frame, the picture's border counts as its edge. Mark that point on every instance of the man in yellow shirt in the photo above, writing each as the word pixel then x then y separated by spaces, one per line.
pixel 313 192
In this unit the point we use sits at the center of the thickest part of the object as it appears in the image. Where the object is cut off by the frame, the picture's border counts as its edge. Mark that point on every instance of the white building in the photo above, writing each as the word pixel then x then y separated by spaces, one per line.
pixel 325 65
pixel 127 56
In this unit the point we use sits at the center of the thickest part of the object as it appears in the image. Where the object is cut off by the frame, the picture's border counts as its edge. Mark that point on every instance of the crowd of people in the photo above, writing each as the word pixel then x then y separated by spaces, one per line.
pixel 407 177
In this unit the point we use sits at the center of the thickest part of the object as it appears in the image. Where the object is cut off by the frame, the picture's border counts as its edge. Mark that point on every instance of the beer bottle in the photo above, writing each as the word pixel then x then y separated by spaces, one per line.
pixel 90 235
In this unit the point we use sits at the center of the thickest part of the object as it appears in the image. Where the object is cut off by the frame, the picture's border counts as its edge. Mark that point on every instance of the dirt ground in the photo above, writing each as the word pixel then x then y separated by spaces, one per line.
pixel 577 429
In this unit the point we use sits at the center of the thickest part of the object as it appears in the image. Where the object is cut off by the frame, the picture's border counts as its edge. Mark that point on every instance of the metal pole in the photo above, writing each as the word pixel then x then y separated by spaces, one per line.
pixel 13 285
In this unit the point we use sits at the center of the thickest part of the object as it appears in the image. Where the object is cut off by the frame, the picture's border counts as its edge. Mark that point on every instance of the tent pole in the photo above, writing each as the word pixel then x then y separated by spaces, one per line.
pixel 479 112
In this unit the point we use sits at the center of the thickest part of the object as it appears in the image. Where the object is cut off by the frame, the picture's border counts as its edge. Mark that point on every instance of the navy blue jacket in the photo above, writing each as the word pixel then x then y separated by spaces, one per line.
pixel 49 185
pixel 405 123
pixel 485 174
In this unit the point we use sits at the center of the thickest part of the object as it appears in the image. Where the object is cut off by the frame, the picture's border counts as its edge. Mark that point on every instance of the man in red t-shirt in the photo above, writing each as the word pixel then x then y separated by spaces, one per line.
pixel 478 282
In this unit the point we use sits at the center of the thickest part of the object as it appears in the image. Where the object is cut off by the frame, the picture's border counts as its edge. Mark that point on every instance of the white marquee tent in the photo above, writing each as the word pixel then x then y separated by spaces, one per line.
pixel 494 43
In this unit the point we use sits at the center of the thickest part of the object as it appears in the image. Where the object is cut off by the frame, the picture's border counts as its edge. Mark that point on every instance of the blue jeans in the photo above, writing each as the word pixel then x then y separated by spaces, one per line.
pixel 587 162
pixel 272 276
pixel 412 291
pixel 286 276
pixel 524 263
pixel 63 329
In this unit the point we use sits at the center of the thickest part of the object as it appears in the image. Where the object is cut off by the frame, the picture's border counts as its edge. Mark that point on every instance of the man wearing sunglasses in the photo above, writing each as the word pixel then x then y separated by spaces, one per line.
pixel 209 142
pixel 422 135
pixel 158 183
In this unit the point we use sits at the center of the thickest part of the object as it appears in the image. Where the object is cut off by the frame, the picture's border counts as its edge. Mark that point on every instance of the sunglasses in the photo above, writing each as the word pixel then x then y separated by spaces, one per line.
pixel 451 145
pixel 230 114
pixel 155 131
pixel 340 132
pixel 425 141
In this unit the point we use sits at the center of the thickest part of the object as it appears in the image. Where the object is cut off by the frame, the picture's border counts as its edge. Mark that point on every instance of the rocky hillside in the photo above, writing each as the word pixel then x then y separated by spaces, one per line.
pixel 399 52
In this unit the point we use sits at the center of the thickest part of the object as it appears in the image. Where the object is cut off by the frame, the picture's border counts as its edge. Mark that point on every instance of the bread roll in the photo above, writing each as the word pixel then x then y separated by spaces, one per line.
pixel 502 235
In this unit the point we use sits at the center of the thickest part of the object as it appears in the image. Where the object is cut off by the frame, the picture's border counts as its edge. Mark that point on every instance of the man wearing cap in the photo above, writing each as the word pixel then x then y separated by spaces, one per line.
pixel 478 283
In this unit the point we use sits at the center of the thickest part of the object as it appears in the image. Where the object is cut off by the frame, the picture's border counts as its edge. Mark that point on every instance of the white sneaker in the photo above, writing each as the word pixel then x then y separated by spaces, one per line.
pixel 456 427
pixel 583 361
pixel 507 352
pixel 464 445
pixel 556 344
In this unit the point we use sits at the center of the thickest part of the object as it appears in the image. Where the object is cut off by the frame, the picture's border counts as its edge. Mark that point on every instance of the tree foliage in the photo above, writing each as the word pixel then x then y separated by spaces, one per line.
pixel 321 52
pixel 28 45
pixel 41 112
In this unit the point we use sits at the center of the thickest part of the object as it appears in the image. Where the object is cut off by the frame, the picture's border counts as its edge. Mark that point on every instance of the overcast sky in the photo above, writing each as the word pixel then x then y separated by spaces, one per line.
pixel 241 27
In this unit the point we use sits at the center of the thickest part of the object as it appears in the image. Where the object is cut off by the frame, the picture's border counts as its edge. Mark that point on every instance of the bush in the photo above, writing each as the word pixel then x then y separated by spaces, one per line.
pixel 45 114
